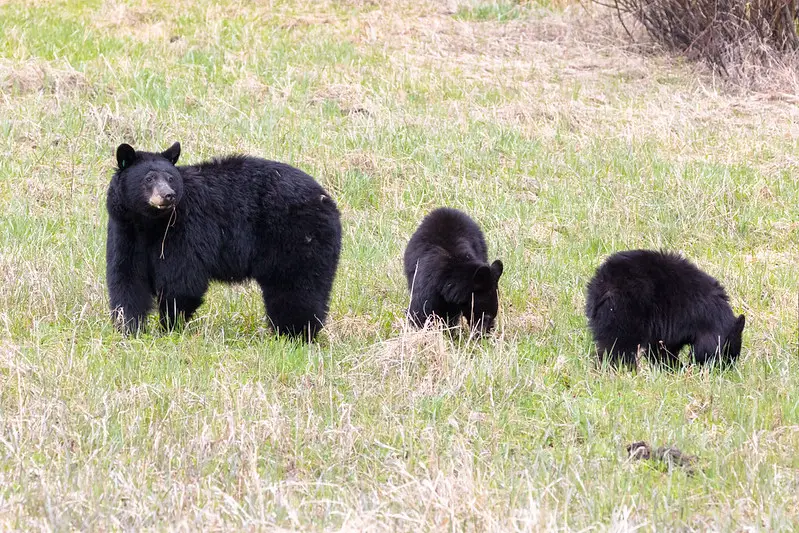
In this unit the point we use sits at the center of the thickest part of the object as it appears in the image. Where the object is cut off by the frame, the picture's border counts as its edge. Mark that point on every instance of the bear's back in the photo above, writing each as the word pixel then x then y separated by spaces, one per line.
pixel 654 286
pixel 244 190
pixel 450 232
pixel 239 172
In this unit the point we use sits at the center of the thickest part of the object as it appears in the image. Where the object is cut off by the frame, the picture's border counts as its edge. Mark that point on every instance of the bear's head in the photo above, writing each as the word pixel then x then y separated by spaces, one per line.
pixel 720 347
pixel 146 184
pixel 483 302
pixel 732 345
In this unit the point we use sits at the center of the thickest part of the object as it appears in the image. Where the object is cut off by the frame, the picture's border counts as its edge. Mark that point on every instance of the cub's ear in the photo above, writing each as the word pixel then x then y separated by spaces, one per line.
pixel 172 153
pixel 482 278
pixel 738 327
pixel 126 155
pixel 496 269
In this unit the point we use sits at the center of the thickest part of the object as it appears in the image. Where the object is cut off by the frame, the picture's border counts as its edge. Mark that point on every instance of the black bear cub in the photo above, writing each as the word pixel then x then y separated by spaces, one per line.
pixel 171 230
pixel 446 264
pixel 660 302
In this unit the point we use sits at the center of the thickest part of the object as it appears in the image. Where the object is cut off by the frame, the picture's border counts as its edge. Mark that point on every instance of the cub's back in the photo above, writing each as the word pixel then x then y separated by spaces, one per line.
pixel 447 231
pixel 648 279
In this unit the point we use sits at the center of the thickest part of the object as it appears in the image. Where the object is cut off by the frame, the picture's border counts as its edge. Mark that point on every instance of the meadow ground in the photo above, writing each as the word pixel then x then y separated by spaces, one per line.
pixel 562 141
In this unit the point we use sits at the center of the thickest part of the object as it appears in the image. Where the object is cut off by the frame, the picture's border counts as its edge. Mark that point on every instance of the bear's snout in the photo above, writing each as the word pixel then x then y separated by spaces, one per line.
pixel 162 196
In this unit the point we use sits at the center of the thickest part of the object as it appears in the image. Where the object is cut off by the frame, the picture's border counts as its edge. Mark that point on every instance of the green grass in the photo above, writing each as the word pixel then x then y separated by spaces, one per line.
pixel 490 11
pixel 563 147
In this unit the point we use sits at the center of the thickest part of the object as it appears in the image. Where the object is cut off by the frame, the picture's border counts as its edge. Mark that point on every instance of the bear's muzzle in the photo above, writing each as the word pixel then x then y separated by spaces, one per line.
pixel 163 196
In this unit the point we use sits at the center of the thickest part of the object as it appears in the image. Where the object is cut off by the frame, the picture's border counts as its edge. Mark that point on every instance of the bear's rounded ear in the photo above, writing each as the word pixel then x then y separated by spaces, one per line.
pixel 172 153
pixel 482 278
pixel 738 327
pixel 126 155
pixel 497 268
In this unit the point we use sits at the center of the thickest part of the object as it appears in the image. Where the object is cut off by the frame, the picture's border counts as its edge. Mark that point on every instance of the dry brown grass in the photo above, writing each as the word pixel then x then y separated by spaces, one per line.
pixel 141 21
pixel 350 97
pixel 742 39
pixel 41 77
pixel 585 52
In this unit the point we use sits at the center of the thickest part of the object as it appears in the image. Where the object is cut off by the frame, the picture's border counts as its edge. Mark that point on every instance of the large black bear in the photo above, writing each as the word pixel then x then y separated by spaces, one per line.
pixel 446 264
pixel 660 302
pixel 171 230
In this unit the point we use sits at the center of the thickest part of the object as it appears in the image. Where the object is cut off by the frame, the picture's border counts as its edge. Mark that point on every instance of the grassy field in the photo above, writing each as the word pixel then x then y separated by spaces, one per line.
pixel 562 141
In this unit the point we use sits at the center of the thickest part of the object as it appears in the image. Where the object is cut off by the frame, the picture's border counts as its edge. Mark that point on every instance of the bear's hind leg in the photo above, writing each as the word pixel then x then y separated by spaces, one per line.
pixel 176 309
pixel 295 310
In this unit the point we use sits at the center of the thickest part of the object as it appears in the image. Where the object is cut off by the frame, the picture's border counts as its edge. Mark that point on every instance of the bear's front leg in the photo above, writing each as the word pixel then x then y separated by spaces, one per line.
pixel 619 353
pixel 707 349
pixel 126 274
pixel 426 303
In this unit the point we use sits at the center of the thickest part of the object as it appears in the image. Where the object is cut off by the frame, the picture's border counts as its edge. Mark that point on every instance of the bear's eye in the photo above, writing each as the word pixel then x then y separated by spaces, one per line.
pixel 148 179
pixel 169 179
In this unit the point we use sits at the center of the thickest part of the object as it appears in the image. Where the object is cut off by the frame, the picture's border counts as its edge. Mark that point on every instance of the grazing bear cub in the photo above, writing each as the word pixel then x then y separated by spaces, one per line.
pixel 446 264
pixel 660 302
pixel 171 230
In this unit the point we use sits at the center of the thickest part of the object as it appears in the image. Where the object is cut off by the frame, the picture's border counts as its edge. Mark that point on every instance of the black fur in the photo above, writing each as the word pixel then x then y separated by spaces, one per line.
pixel 446 264
pixel 661 302
pixel 171 230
